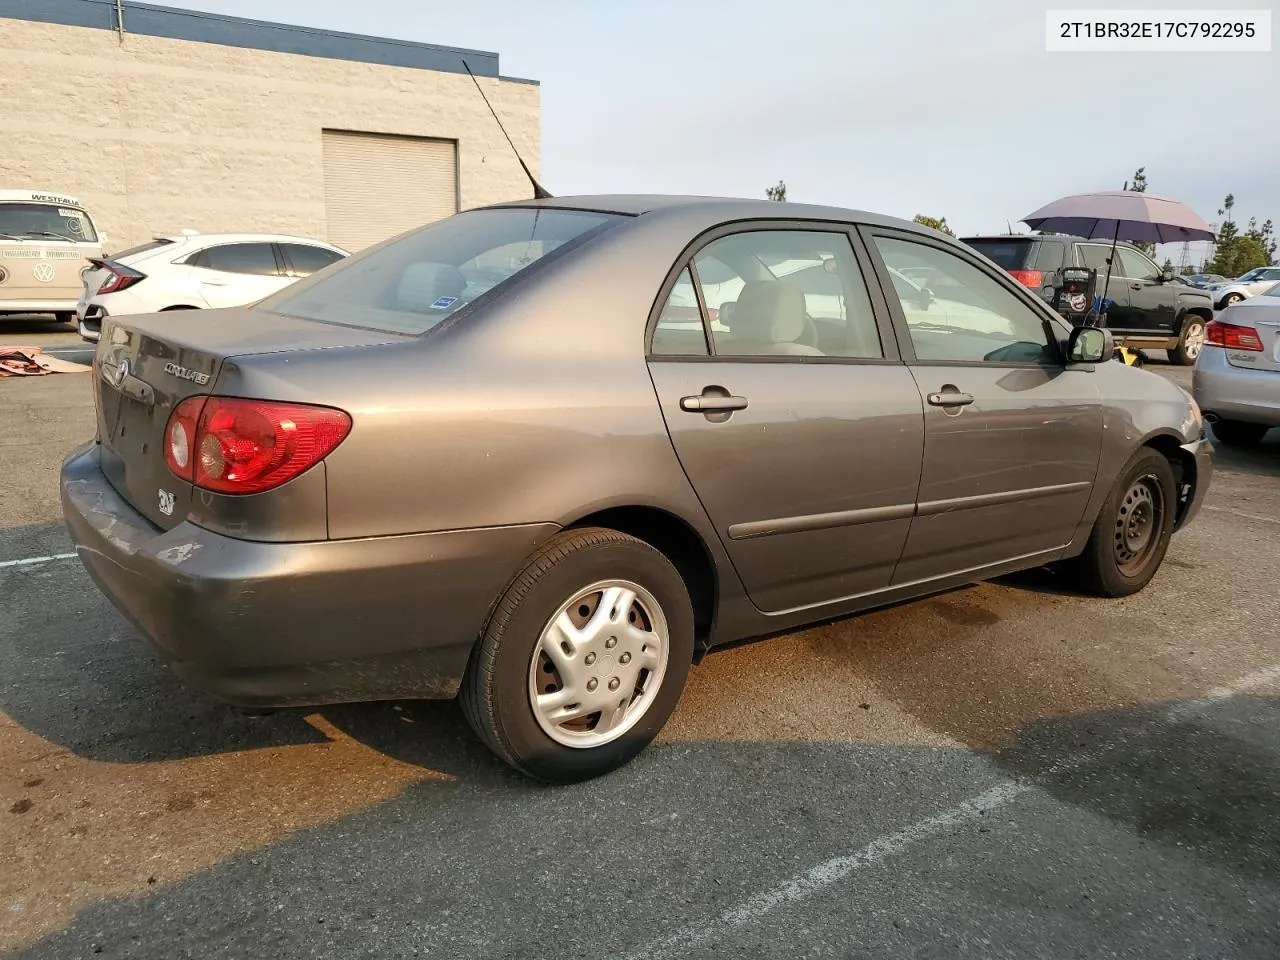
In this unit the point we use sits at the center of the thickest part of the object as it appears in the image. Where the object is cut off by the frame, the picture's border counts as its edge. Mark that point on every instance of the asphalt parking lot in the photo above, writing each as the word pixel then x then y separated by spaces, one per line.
pixel 1009 770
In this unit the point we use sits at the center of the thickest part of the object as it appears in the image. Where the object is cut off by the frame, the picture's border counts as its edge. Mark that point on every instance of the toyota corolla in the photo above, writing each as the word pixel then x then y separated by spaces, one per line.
pixel 510 458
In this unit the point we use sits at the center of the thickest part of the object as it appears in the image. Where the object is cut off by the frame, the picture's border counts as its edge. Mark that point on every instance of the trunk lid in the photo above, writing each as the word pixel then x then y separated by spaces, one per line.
pixel 146 365
pixel 1263 315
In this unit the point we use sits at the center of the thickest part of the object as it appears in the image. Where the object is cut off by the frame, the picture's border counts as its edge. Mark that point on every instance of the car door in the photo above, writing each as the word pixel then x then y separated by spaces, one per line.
pixel 790 411
pixel 1152 301
pixel 1012 436
pixel 1095 255
pixel 236 274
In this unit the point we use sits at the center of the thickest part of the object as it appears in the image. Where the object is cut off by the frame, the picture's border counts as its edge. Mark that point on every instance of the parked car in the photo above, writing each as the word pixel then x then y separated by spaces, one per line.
pixel 417 475
pixel 193 271
pixel 1237 377
pixel 1148 308
pixel 1204 279
pixel 1247 285
pixel 46 242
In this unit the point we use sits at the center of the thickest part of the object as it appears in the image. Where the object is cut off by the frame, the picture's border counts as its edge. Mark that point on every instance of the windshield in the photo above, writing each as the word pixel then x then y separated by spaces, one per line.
pixel 1255 274
pixel 410 284
pixel 45 221
pixel 1272 291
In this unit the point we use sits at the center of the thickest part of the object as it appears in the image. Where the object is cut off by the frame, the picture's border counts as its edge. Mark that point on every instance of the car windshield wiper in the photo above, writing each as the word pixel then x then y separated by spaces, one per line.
pixel 10 236
pixel 48 233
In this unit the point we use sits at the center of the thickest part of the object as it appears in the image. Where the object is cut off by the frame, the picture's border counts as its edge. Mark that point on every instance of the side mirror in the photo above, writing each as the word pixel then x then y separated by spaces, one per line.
pixel 102 239
pixel 1090 345
pixel 926 297
pixel 1167 275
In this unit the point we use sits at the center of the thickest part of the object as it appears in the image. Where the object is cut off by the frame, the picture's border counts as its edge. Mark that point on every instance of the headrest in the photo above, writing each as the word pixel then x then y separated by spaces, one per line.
pixel 425 283
pixel 771 311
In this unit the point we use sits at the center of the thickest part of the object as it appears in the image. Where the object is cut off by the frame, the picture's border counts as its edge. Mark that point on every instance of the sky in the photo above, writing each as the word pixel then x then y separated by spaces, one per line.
pixel 943 108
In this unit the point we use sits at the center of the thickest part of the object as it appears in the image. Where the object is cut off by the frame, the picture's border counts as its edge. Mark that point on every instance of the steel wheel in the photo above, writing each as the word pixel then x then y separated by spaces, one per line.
pixel 1138 524
pixel 599 664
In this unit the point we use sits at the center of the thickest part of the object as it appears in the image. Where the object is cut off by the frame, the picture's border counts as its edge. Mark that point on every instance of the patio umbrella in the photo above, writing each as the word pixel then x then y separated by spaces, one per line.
pixel 1121 215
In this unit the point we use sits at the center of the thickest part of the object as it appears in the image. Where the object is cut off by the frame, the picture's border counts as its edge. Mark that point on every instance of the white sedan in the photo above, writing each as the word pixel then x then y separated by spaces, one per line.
pixel 194 271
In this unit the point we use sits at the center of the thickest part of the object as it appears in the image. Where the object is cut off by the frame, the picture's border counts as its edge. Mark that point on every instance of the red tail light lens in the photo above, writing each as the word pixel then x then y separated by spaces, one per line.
pixel 238 446
pixel 1233 336
pixel 120 278
pixel 1028 278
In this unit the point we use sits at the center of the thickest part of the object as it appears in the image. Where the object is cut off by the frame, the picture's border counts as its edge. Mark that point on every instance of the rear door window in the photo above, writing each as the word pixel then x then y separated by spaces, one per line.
pixel 306 259
pixel 1049 257
pixel 254 259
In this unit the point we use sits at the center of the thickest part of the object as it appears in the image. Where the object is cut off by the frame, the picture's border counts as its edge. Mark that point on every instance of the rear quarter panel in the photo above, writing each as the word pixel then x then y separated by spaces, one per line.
pixel 539 409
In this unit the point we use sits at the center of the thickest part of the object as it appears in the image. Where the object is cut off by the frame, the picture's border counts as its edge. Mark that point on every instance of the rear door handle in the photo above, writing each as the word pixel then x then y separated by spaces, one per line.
pixel 712 404
pixel 950 399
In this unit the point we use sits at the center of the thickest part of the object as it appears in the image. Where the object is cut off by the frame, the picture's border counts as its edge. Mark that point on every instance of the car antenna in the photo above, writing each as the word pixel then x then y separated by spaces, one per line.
pixel 538 192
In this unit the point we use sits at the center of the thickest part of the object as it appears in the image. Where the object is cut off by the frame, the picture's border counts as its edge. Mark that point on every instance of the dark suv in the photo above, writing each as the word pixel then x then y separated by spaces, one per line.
pixel 1149 307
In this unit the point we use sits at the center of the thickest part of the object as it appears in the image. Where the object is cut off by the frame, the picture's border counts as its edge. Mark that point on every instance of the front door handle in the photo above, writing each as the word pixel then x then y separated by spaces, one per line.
pixel 1135 286
pixel 950 399
pixel 710 403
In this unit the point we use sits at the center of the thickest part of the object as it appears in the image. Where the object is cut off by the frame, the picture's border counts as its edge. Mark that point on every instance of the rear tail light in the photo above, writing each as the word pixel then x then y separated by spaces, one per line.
pixel 119 278
pixel 234 445
pixel 1028 278
pixel 1233 336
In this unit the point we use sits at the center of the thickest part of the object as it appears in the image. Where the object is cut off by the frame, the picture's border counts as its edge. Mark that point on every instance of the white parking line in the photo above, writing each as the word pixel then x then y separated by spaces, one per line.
pixel 1241 513
pixel 883 848
pixel 30 560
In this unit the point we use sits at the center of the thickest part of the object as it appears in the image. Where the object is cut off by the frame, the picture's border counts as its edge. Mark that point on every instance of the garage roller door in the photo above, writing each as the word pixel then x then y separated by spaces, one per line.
pixel 378 186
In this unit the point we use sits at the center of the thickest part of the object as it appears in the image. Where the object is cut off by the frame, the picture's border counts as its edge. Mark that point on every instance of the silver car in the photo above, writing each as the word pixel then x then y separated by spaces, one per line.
pixel 543 456
pixel 1237 376
pixel 1243 287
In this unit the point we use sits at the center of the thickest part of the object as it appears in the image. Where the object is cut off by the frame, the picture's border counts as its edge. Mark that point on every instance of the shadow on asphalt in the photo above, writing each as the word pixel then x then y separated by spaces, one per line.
pixel 1262 460
pixel 11 331
pixel 1176 816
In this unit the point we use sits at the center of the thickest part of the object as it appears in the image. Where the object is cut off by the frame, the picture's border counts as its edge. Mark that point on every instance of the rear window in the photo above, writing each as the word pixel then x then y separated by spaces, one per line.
pixel 1009 254
pixel 411 283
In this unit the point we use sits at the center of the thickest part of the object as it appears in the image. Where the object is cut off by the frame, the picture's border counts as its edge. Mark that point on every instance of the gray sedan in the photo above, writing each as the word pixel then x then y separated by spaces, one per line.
pixel 1237 375
pixel 543 456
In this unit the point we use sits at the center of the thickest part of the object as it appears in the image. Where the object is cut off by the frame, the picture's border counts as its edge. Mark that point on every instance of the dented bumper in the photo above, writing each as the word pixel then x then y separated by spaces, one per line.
pixel 277 624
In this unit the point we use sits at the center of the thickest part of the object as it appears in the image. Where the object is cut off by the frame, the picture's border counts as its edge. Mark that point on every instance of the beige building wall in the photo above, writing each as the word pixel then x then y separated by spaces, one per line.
pixel 155 135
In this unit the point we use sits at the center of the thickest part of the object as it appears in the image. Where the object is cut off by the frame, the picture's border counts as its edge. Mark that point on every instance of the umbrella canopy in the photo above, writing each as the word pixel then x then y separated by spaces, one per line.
pixel 1123 214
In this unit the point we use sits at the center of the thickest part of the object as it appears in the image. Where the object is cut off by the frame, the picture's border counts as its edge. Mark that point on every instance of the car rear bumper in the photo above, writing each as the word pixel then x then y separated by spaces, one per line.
pixel 278 624
pixel 37 306
pixel 1235 393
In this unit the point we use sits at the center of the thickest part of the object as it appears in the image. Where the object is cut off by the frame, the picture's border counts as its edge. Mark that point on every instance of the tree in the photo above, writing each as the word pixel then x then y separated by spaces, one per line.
pixel 1238 255
pixel 1139 185
pixel 1236 252
pixel 778 193
pixel 937 223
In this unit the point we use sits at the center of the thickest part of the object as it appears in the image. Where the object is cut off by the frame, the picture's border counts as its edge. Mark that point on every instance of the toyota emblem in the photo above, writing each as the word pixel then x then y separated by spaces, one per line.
pixel 122 371
pixel 43 272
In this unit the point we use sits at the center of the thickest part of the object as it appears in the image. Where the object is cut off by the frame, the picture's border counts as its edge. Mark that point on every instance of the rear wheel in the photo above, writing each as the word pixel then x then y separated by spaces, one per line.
pixel 1237 433
pixel 1190 342
pixel 67 318
pixel 1131 535
pixel 584 658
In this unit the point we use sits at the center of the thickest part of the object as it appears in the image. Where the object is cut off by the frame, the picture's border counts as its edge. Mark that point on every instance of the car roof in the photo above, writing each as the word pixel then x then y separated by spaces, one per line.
pixel 714 208
pixel 197 237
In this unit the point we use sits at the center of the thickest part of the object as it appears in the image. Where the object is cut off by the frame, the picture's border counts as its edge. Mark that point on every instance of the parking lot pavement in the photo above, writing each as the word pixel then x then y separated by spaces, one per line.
pixel 1008 770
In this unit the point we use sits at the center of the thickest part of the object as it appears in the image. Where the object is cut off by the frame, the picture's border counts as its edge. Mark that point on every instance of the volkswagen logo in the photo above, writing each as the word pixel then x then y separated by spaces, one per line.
pixel 43 272
pixel 122 371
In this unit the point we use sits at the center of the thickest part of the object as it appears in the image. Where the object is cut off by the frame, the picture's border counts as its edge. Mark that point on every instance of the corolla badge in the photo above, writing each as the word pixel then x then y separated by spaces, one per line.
pixel 183 373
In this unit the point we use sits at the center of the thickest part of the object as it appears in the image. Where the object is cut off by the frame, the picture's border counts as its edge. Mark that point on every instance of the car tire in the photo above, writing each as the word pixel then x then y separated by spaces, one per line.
pixel 1238 433
pixel 1229 299
pixel 1131 535
pixel 560 597
pixel 1190 341
pixel 68 318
